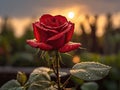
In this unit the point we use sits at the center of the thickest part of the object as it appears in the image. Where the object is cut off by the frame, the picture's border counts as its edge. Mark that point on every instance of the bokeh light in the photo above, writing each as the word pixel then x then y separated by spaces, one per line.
pixel 76 59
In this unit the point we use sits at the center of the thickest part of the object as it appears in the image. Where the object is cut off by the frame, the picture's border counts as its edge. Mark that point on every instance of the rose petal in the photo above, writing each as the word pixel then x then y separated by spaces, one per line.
pixel 69 47
pixel 46 28
pixel 49 20
pixel 51 27
pixel 57 36
pixel 42 46
pixel 33 43
pixel 53 31
pixel 39 26
pixel 69 34
pixel 56 44
pixel 61 19
pixel 46 18
pixel 40 33
pixel 36 31
pixel 46 33
pixel 53 22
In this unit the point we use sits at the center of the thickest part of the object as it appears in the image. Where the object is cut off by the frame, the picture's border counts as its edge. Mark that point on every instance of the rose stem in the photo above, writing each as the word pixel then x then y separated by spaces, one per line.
pixel 65 83
pixel 57 67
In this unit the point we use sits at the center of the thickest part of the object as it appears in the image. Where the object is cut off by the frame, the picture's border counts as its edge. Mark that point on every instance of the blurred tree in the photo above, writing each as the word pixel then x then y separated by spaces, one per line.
pixel 109 43
pixel 94 40
pixel 7 40
pixel 90 41
pixel 9 44
pixel 21 42
pixel 84 37
pixel 117 39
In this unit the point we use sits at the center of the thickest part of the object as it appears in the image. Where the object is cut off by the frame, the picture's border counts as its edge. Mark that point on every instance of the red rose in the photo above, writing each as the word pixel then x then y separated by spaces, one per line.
pixel 53 33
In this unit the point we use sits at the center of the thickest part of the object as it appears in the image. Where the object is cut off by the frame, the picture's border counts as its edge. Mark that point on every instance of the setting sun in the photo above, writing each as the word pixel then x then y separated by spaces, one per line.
pixel 71 15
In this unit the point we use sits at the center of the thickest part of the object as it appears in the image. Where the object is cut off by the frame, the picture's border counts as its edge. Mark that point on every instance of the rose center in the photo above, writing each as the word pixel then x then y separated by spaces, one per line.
pixel 53 20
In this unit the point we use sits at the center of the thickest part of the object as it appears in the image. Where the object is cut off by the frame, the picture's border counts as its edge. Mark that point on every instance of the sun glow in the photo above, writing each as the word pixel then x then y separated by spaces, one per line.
pixel 71 15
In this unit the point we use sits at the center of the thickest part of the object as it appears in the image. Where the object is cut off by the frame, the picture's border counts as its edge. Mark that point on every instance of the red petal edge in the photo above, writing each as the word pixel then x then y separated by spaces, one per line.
pixel 69 47
pixel 33 43
pixel 70 34
pixel 42 46
pixel 36 31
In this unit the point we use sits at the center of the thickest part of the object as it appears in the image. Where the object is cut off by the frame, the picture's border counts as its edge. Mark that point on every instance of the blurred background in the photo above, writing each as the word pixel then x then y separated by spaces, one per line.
pixel 97 27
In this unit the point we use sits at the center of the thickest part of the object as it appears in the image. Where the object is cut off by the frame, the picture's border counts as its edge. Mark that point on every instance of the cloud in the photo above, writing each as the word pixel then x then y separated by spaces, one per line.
pixel 34 7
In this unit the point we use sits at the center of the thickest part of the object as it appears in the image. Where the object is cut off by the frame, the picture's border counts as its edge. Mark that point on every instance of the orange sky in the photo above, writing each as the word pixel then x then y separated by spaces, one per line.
pixel 20 23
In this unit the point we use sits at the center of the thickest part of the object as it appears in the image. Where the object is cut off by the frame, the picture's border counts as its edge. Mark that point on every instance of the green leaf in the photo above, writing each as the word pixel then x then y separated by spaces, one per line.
pixel 76 80
pixel 12 85
pixel 89 86
pixel 61 74
pixel 41 69
pixel 39 85
pixel 48 58
pixel 67 59
pixel 90 70
pixel 21 78
pixel 39 79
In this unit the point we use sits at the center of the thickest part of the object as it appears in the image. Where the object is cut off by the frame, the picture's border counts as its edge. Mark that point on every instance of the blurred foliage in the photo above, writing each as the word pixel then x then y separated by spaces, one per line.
pixel 89 86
